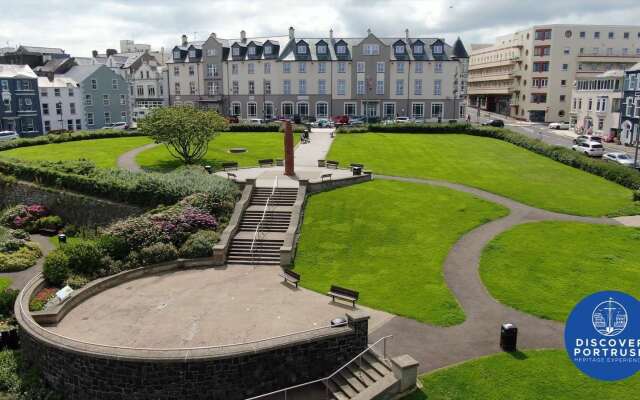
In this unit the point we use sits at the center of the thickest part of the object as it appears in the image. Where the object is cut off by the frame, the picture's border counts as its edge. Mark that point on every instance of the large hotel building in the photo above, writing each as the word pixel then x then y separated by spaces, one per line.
pixel 423 78
pixel 530 74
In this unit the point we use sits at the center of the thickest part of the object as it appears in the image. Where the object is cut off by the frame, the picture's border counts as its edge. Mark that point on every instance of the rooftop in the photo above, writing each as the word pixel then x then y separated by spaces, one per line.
pixel 17 71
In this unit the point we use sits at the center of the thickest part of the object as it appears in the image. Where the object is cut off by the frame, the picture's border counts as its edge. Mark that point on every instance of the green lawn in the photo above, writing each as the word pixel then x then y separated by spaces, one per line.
pixel 259 146
pixel 4 283
pixel 545 268
pixel 104 152
pixel 388 240
pixel 531 375
pixel 489 164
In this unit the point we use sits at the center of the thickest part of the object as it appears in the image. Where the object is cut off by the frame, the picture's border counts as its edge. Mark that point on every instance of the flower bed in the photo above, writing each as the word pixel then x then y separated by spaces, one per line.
pixel 16 251
pixel 40 300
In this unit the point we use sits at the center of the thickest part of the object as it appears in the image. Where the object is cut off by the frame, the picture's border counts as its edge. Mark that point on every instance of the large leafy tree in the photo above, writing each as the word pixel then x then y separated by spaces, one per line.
pixel 184 130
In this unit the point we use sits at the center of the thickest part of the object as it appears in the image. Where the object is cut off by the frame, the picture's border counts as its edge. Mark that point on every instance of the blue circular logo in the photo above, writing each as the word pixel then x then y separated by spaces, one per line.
pixel 602 335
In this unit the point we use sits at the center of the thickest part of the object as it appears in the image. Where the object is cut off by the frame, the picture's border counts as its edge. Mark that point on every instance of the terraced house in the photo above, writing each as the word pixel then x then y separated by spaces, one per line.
pixel 630 111
pixel 19 106
pixel 288 76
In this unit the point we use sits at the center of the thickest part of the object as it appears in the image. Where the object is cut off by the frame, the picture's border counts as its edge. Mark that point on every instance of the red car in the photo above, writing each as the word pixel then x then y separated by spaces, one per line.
pixel 232 119
pixel 340 119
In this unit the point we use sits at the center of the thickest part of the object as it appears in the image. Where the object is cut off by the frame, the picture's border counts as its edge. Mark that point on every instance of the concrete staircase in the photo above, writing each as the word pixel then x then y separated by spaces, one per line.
pixel 272 232
pixel 367 378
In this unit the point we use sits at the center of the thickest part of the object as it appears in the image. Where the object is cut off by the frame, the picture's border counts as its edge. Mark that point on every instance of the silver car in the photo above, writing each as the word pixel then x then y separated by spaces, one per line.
pixel 619 158
pixel 8 135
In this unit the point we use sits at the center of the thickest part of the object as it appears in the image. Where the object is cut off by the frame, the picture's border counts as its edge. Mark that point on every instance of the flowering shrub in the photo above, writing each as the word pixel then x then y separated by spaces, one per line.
pixel 30 218
pixel 200 244
pixel 41 299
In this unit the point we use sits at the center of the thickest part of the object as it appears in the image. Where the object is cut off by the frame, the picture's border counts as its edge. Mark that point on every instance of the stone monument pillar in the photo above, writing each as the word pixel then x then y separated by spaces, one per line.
pixel 288 150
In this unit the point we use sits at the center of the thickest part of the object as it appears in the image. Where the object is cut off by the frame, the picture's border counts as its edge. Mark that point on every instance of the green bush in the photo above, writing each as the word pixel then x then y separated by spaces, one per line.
pixel 84 257
pixel 242 127
pixel 200 244
pixel 352 129
pixel 56 267
pixel 6 180
pixel 7 300
pixel 66 137
pixel 9 367
pixel 25 257
pixel 50 222
pixel 76 281
pixel 157 253
pixel 113 246
pixel 636 195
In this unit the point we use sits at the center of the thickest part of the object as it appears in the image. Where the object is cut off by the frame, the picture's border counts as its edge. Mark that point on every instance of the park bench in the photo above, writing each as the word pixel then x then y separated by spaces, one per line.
pixel 343 293
pixel 279 162
pixel 325 176
pixel 332 164
pixel 290 276
pixel 228 166
pixel 231 175
pixel 48 232
pixel 268 162
pixel 361 166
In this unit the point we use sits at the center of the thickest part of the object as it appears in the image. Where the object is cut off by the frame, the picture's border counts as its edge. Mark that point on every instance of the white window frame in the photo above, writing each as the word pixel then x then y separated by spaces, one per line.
pixel 419 67
pixel 255 107
pixel 301 103
pixel 399 87
pixel 437 68
pixel 322 86
pixel 235 51
pixel 360 66
pixel 400 67
pixel 413 108
pixel 235 104
pixel 360 89
pixel 302 86
pixel 437 87
pixel 380 67
pixel 322 67
pixel 417 88
pixel 287 103
pixel 384 109
pixel 355 108
pixel 301 49
pixel 322 115
pixel 341 87
pixel 379 87
pixel 441 115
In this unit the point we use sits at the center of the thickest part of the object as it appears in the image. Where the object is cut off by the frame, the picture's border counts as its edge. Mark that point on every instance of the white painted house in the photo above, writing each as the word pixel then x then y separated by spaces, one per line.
pixel 61 104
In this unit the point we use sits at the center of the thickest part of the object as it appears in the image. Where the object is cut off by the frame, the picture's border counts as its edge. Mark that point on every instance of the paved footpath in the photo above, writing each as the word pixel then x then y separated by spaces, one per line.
pixel 307 155
pixel 436 347
pixel 20 278
pixel 128 160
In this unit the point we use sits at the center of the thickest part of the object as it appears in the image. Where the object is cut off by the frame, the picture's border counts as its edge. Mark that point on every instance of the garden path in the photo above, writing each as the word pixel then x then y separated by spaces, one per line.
pixel 20 278
pixel 436 347
pixel 128 160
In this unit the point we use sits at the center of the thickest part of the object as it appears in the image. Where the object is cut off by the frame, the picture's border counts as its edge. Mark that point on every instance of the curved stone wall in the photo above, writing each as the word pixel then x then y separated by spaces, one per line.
pixel 80 370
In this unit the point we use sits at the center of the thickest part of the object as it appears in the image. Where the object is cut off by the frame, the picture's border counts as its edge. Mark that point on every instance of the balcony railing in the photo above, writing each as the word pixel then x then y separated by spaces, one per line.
pixel 615 53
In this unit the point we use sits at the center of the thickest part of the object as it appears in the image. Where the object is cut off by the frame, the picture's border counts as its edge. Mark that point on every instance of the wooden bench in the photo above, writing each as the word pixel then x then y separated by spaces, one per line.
pixel 268 162
pixel 279 162
pixel 343 293
pixel 231 175
pixel 332 164
pixel 324 176
pixel 228 166
pixel 290 276
pixel 356 165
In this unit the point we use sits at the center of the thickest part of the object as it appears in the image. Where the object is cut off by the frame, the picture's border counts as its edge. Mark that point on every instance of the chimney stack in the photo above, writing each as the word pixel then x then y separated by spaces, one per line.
pixel 94 53
pixel 184 40
pixel 243 36
pixel 331 33
pixel 368 31
pixel 406 34
pixel 292 33
pixel 213 35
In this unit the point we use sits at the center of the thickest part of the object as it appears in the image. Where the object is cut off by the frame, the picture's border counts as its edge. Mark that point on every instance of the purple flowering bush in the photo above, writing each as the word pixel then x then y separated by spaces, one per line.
pixel 25 217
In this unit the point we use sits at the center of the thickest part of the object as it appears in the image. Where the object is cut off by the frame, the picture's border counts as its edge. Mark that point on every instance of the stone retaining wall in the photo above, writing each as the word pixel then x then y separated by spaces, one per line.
pixel 72 207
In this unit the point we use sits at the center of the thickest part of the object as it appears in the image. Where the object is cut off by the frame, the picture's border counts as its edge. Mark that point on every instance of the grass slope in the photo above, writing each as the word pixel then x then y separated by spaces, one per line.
pixel 489 164
pixel 532 375
pixel 104 152
pixel 545 268
pixel 258 145
pixel 388 240
pixel 4 283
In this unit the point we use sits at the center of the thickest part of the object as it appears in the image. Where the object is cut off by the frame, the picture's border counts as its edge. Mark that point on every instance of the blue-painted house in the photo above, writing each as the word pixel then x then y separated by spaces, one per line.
pixel 20 105
pixel 630 112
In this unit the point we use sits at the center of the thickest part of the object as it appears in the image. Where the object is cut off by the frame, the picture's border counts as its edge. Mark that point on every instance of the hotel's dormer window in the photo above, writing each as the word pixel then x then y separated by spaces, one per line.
pixel 192 53
pixel 235 51
pixel 268 50
pixel 437 49
pixel 341 49
pixel 418 49
pixel 252 51
pixel 176 55
pixel 322 49
pixel 302 49
pixel 399 48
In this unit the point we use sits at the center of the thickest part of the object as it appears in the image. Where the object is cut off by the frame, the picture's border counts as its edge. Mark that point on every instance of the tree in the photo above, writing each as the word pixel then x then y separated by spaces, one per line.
pixel 185 131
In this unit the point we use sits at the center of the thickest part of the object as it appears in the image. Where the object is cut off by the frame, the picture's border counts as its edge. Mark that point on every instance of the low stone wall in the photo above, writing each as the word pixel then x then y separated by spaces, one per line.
pixel 79 370
pixel 72 207
pixel 315 187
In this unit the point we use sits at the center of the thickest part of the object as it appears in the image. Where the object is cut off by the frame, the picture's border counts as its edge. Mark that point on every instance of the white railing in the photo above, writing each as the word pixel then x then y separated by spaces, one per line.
pixel 264 213
pixel 325 380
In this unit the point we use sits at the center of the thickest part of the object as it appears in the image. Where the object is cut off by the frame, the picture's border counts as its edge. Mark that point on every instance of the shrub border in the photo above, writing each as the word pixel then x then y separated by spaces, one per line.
pixel 66 137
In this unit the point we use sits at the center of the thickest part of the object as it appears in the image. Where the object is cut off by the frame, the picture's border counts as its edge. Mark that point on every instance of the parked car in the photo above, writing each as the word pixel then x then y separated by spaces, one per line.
pixel 256 121
pixel 232 119
pixel 591 149
pixel 560 125
pixel 340 119
pixel 8 135
pixel 356 121
pixel 118 126
pixel 619 158
pixel 498 123
pixel 322 123
pixel 402 120
pixel 587 138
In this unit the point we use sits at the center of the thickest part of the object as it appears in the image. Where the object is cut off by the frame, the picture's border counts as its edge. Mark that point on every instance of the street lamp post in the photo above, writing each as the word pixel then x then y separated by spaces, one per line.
pixel 59 107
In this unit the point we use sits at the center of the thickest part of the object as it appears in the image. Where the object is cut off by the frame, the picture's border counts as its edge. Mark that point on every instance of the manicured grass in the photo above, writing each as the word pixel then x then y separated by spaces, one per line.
pixel 545 268
pixel 530 375
pixel 103 152
pixel 388 240
pixel 259 146
pixel 489 164
pixel 4 283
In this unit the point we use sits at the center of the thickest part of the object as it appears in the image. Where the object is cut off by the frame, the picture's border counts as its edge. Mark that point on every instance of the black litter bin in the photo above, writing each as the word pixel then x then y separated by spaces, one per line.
pixel 357 171
pixel 508 337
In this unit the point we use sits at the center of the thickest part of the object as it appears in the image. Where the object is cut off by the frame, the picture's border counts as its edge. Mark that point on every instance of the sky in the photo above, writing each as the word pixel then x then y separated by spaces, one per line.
pixel 79 26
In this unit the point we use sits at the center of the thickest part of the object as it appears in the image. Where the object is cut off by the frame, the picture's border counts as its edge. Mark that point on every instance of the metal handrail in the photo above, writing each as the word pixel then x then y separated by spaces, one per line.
pixel 264 213
pixel 326 379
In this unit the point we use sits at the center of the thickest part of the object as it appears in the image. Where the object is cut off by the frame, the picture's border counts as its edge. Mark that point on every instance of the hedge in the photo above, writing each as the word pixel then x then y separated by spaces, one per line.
pixel 66 137
pixel 143 189
pixel 624 176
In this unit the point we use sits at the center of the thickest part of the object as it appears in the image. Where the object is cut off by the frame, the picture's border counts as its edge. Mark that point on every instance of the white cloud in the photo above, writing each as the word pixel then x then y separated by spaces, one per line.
pixel 79 26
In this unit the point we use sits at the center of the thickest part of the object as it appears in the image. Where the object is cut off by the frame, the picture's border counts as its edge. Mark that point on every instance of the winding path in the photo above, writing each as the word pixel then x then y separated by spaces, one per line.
pixel 128 160
pixel 436 347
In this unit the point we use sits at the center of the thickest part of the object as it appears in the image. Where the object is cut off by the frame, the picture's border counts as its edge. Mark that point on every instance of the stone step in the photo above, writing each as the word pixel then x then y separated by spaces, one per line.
pixel 361 375
pixel 381 368
pixel 335 392
pixel 352 380
pixel 343 386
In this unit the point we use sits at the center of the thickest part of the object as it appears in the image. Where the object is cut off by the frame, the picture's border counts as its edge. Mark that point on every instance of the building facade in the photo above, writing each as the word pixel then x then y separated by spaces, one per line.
pixel 105 95
pixel 20 106
pixel 630 120
pixel 423 78
pixel 61 104
pixel 148 84
pixel 595 104
pixel 529 74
